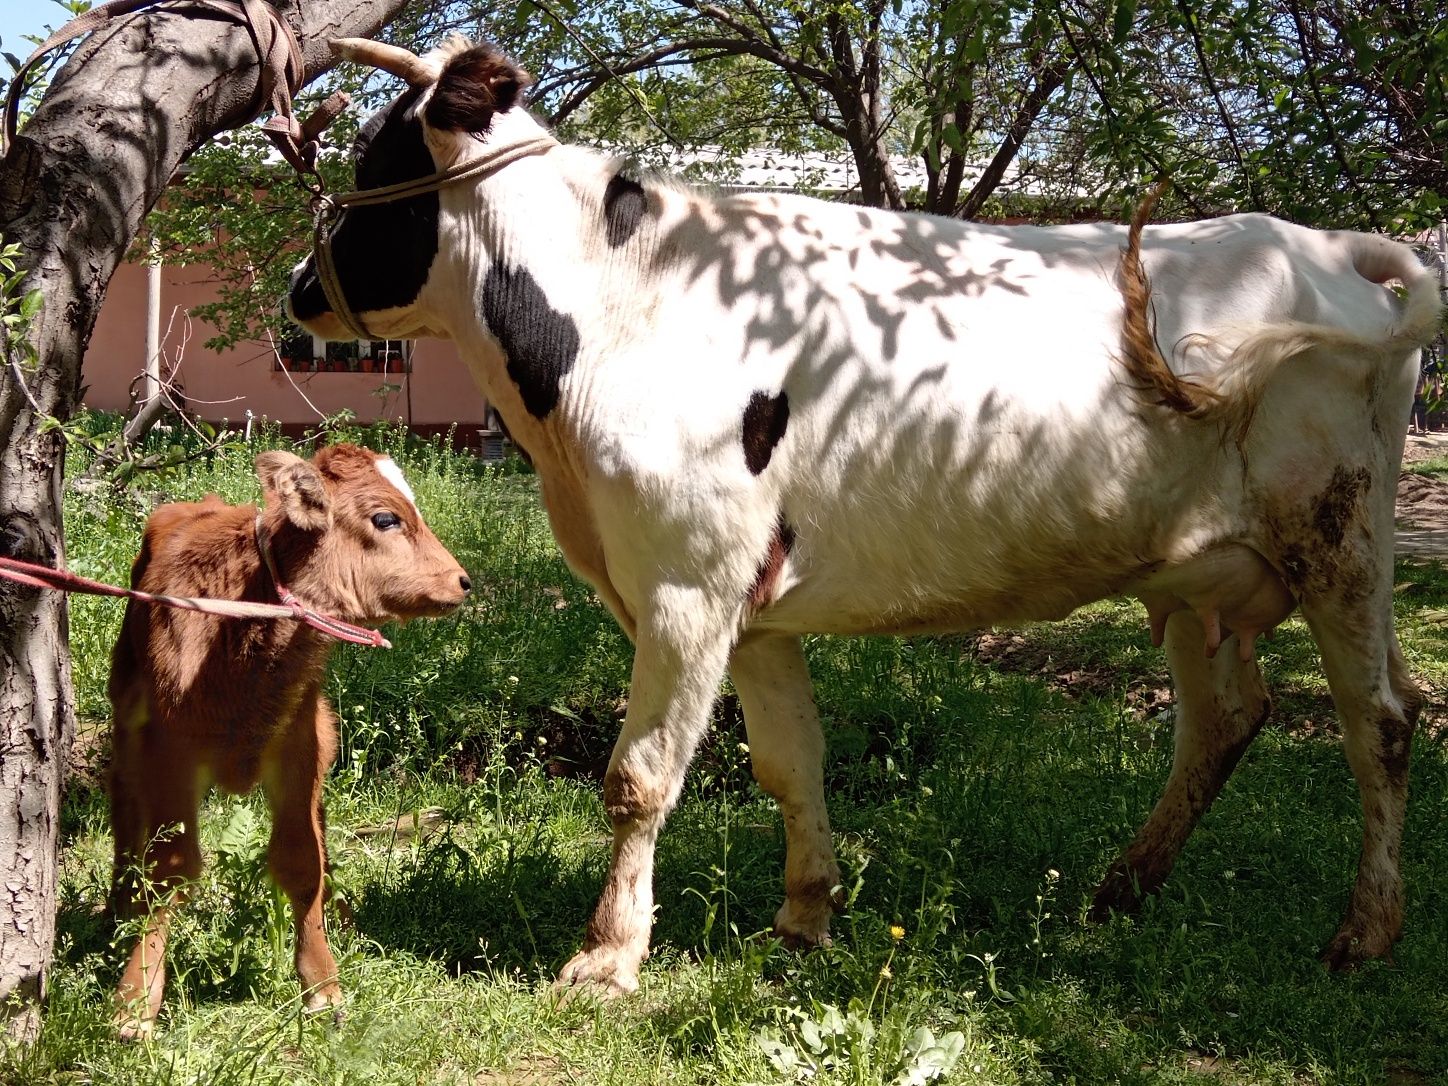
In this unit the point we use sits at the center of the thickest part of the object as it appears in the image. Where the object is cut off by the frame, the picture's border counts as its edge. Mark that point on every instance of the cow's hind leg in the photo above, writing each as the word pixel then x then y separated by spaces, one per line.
pixel 1378 705
pixel 786 748
pixel 1221 705
pixel 297 855
pixel 676 674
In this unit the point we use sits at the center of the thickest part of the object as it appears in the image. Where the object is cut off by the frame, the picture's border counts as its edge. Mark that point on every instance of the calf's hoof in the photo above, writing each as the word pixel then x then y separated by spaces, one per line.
pixel 803 926
pixel 601 973
pixel 1352 946
pixel 131 1028
pixel 327 998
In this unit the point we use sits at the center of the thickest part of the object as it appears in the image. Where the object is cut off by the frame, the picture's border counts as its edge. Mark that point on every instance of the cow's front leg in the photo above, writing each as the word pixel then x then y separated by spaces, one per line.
pixel 786 748
pixel 675 680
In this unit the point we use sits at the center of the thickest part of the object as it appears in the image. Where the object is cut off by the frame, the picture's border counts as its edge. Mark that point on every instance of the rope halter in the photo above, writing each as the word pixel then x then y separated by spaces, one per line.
pixel 328 207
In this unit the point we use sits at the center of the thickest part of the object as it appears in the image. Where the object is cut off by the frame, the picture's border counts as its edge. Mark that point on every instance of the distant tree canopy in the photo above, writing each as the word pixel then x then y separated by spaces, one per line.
pixel 1333 113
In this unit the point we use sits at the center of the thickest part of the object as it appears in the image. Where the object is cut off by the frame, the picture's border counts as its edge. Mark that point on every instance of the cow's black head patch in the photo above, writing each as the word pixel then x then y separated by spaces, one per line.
pixel 475 84
pixel 382 253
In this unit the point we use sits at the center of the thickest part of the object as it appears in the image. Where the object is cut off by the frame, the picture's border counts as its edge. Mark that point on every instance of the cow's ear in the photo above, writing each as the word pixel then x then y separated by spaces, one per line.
pixel 296 486
pixel 475 83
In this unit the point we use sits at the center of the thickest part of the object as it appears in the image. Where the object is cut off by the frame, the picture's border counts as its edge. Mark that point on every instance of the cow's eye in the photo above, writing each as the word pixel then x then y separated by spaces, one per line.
pixel 385 522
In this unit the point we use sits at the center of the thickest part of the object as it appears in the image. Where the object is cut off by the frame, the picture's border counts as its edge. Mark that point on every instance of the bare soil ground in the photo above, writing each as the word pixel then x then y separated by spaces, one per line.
pixel 1423 501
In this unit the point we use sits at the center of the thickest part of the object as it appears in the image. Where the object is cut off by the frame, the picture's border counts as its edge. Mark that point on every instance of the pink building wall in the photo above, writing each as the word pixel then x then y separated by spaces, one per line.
pixel 225 385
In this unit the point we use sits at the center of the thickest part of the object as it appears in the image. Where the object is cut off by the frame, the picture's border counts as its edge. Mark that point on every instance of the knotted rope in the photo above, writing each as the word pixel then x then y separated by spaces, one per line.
pixel 277 50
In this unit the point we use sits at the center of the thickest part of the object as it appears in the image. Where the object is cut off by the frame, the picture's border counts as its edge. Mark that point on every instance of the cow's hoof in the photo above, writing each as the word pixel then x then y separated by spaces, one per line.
pixel 1116 894
pixel 1350 947
pixel 600 973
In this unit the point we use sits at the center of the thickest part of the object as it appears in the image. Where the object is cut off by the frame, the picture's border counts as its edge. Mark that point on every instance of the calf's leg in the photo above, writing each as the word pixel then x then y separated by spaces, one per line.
pixel 166 810
pixel 126 785
pixel 786 749
pixel 1221 705
pixel 676 673
pixel 295 767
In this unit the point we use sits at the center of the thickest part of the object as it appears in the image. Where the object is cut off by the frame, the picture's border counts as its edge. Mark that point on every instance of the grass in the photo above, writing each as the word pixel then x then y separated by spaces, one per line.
pixel 1436 466
pixel 977 787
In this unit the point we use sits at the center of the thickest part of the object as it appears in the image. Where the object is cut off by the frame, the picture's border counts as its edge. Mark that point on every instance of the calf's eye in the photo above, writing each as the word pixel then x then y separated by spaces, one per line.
pixel 386 521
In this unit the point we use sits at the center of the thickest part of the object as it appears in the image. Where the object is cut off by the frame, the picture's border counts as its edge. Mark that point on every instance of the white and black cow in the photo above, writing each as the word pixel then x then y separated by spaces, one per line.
pixel 760 416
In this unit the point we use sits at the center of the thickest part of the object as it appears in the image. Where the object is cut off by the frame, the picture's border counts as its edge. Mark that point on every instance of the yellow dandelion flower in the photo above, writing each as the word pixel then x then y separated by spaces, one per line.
pixel 897 932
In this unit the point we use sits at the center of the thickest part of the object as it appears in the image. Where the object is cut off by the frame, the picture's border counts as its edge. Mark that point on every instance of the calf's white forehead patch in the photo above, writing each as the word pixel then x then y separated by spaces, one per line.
pixel 388 469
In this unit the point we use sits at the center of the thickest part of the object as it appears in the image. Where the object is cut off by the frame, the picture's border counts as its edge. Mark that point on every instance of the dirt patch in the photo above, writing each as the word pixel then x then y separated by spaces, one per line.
pixel 1018 654
pixel 1422 516
pixel 90 754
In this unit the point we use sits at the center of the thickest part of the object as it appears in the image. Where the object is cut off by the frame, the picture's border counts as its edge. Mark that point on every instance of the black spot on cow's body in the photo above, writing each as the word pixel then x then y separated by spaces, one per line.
pixel 624 206
pixel 382 253
pixel 765 420
pixel 540 342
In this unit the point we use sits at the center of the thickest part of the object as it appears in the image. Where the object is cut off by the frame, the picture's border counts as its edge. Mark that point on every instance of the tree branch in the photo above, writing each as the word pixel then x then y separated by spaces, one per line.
pixel 1049 81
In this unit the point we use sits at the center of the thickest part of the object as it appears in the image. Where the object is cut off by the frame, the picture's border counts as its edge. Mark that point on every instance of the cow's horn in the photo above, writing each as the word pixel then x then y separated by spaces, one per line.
pixel 389 58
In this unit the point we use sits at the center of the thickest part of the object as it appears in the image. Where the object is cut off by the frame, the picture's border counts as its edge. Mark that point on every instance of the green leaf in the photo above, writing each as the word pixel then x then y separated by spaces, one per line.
pixel 1122 21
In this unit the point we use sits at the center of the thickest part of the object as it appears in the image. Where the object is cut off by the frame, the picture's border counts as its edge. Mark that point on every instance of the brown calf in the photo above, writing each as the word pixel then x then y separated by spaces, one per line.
pixel 200 700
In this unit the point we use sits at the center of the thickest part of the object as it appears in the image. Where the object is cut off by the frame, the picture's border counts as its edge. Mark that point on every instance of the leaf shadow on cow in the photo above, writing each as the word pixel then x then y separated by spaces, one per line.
pixel 756 417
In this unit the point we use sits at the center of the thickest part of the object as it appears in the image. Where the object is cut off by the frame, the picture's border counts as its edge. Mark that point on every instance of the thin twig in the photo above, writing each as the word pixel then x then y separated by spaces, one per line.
pixel 20 380
pixel 1190 19
pixel 547 9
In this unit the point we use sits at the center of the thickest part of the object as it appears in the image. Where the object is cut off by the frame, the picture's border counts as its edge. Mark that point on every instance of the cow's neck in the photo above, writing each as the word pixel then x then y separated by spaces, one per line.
pixel 553 249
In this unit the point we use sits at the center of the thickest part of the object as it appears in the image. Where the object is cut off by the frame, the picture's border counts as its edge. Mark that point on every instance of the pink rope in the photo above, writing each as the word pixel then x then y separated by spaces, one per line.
pixel 37 576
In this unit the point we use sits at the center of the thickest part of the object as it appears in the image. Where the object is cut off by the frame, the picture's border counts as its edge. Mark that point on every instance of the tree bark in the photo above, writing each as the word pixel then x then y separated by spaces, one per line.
pixel 118 120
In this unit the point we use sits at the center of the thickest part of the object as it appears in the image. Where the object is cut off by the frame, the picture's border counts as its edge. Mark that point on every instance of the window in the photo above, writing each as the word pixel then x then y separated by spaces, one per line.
pixel 302 353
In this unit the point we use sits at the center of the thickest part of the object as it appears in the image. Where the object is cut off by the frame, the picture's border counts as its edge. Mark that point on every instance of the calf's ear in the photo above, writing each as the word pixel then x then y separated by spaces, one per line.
pixel 476 83
pixel 293 484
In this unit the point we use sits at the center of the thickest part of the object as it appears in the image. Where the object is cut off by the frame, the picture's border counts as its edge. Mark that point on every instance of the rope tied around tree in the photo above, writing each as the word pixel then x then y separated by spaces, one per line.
pixel 278 53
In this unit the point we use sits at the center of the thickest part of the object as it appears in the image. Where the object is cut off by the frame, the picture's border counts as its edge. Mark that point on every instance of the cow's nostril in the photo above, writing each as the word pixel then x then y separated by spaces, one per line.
pixel 466 582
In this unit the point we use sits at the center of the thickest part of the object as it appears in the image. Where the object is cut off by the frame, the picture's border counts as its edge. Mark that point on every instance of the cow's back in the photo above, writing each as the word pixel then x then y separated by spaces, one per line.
pixel 948 425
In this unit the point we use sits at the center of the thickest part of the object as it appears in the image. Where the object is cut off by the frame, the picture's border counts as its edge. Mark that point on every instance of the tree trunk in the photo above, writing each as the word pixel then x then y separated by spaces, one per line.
pixel 118 120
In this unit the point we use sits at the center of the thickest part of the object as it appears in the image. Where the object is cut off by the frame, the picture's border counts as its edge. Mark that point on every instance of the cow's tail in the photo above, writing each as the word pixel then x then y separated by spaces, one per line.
pixel 1229 393
pixel 1149 371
